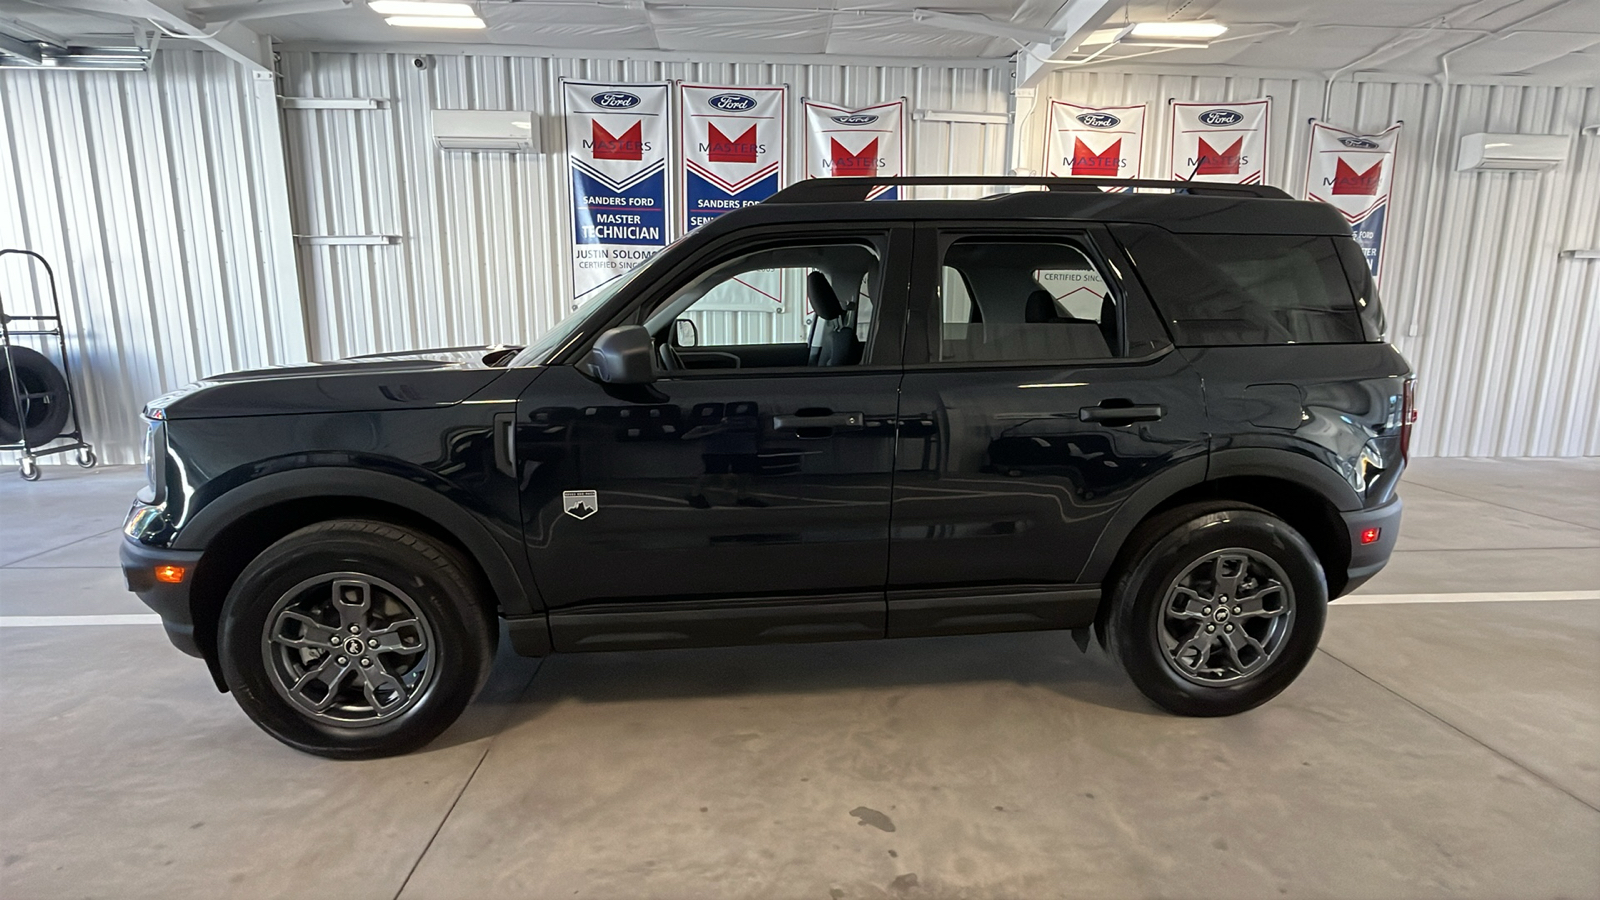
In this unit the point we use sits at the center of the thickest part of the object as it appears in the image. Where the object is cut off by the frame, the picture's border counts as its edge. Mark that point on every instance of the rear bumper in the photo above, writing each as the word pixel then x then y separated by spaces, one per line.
pixel 1367 559
pixel 170 601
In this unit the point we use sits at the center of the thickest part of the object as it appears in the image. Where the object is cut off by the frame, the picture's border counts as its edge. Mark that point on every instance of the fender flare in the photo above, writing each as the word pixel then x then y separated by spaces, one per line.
pixel 1290 465
pixel 1256 462
pixel 508 576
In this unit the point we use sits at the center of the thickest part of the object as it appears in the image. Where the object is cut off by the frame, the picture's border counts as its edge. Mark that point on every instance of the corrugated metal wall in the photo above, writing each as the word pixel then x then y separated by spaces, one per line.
pixel 1504 333
pixel 145 191
pixel 156 195
pixel 484 249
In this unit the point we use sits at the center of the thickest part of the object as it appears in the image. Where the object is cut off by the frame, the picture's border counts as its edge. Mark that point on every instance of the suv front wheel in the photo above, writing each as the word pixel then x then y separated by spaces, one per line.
pixel 354 639
pixel 1218 610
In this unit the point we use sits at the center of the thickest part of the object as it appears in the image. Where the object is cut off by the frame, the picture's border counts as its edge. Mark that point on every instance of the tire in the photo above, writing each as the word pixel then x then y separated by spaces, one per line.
pixel 46 415
pixel 1264 636
pixel 415 682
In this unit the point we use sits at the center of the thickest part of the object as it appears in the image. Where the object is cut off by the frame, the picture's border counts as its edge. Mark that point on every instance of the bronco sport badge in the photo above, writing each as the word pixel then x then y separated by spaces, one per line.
pixel 580 504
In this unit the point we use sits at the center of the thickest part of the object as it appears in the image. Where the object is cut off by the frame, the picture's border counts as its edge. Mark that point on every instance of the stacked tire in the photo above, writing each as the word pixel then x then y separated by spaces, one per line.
pixel 45 401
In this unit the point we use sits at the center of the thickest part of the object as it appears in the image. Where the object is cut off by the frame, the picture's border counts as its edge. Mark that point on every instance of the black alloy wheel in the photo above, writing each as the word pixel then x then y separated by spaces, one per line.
pixel 1217 608
pixel 355 639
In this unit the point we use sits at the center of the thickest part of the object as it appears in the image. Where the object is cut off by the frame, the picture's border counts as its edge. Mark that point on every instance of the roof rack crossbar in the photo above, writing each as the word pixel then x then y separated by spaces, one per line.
pixel 845 190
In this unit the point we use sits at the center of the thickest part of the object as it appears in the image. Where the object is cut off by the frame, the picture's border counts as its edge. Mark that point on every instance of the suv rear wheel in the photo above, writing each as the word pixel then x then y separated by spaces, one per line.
pixel 353 639
pixel 1218 610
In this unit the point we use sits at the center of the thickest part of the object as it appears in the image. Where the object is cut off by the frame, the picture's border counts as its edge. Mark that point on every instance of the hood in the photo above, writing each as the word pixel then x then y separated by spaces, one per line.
pixel 417 379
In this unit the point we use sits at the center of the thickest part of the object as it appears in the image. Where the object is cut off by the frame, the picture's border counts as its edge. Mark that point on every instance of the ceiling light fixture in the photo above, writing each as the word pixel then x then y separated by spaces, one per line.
pixel 463 22
pixel 1171 34
pixel 421 8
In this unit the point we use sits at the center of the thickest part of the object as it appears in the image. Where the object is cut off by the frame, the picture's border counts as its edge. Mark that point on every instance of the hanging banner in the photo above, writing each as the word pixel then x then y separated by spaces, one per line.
pixel 1354 173
pixel 617 154
pixel 1225 142
pixel 731 146
pixel 857 142
pixel 1102 142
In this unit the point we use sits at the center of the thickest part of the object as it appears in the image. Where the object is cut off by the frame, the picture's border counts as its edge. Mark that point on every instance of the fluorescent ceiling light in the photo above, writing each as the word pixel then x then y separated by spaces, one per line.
pixel 420 8
pixel 1171 34
pixel 435 21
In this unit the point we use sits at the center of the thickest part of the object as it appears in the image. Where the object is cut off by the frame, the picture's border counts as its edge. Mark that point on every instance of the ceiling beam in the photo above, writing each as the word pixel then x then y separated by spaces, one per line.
pixel 1074 21
pixel 233 40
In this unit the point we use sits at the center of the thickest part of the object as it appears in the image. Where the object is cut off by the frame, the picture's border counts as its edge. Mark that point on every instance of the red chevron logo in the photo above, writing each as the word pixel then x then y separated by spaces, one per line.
pixel 1107 164
pixel 1213 163
pixel 1348 181
pixel 742 149
pixel 629 146
pixel 847 163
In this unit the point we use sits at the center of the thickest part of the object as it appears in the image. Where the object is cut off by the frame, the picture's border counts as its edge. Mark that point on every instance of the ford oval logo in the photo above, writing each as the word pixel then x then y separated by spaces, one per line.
pixel 1098 120
pixel 732 102
pixel 615 100
pixel 855 119
pixel 1218 118
pixel 1358 143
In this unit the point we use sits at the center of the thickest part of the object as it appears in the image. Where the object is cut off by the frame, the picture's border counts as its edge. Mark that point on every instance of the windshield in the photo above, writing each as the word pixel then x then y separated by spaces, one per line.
pixel 540 351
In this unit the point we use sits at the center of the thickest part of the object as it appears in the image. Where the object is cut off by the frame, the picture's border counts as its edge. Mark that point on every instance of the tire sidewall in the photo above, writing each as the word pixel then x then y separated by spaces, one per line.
pixel 1135 624
pixel 459 666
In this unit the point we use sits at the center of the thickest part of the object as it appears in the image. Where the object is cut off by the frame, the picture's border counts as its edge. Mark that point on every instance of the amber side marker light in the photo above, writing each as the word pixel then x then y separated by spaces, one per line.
pixel 1368 536
pixel 170 574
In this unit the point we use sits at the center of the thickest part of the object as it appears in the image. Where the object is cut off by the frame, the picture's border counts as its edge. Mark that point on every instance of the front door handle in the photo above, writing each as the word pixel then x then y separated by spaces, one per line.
pixel 1121 415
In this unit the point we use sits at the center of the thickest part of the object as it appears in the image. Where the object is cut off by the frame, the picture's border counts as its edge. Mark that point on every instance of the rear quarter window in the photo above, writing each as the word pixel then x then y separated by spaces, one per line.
pixel 1225 289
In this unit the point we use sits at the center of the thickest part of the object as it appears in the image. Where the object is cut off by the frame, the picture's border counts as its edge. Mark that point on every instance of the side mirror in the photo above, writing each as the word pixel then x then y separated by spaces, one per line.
pixel 624 355
pixel 685 333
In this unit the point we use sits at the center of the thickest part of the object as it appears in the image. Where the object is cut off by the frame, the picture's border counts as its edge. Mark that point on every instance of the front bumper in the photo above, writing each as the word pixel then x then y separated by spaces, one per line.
pixel 1367 559
pixel 170 601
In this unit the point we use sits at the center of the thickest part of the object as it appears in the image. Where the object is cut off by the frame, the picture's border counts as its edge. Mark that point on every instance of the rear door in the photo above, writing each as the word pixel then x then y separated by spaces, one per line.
pixel 1040 392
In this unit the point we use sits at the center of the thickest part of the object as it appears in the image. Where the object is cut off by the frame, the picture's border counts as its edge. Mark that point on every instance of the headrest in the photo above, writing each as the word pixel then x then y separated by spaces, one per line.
pixel 823 300
pixel 1041 307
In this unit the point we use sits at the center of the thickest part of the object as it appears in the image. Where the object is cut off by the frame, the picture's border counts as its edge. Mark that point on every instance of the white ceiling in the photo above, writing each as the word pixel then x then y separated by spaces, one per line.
pixel 1553 41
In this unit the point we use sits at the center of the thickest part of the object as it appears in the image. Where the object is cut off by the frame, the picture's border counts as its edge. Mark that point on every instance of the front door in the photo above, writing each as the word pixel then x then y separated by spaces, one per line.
pixel 744 496
pixel 1040 392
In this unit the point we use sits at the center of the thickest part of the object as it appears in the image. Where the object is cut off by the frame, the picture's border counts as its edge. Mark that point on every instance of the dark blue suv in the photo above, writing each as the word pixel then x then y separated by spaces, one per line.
pixel 1165 417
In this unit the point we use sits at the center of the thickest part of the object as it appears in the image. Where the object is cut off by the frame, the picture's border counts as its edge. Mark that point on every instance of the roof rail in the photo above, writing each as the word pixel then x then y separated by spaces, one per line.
pixel 845 190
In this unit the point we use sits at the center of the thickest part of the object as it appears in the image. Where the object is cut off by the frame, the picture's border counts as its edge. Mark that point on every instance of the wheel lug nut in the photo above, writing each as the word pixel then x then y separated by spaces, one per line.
pixel 373 643
pixel 336 641
pixel 1228 628
pixel 1206 611
pixel 366 663
pixel 343 660
pixel 355 629
pixel 1237 610
pixel 1210 628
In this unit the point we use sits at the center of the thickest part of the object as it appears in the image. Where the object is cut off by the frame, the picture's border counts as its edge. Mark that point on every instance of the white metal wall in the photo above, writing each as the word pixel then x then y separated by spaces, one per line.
pixel 1504 333
pixel 146 191
pixel 483 254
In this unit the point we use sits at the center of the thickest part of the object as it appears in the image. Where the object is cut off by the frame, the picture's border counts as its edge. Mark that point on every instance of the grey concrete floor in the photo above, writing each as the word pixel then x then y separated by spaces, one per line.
pixel 1431 749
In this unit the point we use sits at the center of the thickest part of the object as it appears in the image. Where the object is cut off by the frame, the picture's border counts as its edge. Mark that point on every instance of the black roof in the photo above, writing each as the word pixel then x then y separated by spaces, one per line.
pixel 1189 207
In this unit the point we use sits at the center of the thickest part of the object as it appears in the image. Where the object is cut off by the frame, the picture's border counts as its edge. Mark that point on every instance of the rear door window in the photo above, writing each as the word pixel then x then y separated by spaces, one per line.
pixel 1224 289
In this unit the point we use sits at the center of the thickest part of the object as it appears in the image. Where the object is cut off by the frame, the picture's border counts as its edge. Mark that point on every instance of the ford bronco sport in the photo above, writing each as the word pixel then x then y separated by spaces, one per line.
pixel 1165 418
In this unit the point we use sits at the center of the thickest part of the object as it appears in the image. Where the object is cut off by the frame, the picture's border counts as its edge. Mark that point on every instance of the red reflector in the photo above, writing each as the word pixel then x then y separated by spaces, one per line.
pixel 174 574
pixel 1370 535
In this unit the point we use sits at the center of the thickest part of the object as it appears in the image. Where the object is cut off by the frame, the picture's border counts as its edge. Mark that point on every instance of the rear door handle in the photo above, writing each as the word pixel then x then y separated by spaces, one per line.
pixel 826 420
pixel 1120 415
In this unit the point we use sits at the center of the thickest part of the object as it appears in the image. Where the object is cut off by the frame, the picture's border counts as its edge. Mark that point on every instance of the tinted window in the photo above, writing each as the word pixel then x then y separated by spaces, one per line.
pixel 1004 300
pixel 1218 289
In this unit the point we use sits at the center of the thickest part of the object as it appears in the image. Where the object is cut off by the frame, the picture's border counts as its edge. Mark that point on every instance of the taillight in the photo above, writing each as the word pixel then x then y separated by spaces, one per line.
pixel 1408 418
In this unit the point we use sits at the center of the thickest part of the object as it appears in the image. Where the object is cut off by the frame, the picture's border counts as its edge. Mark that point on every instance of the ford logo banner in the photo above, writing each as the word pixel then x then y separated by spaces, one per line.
pixel 1358 143
pixel 1098 120
pixel 1219 118
pixel 732 102
pixel 615 100
pixel 855 119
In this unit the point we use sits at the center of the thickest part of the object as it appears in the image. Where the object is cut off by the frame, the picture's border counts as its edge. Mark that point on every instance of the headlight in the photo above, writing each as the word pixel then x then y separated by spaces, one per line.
pixel 155 461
